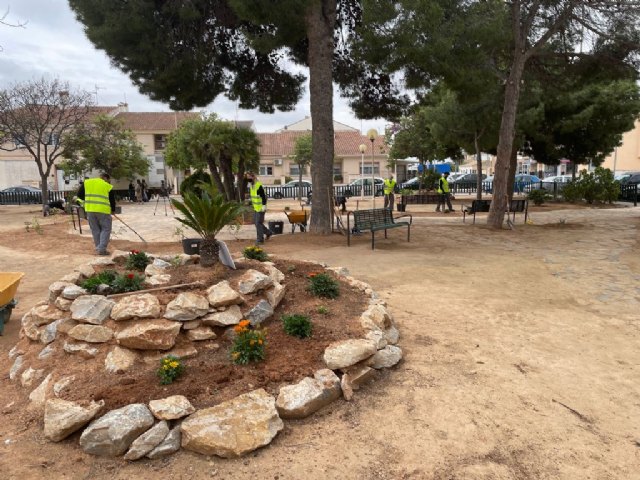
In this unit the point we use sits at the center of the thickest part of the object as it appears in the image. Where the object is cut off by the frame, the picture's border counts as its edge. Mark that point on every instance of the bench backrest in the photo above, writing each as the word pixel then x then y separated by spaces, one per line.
pixel 371 218
pixel 518 206
pixel 480 206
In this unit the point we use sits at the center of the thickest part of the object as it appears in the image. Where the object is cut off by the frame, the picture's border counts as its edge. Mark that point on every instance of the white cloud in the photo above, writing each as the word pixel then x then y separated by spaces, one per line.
pixel 53 44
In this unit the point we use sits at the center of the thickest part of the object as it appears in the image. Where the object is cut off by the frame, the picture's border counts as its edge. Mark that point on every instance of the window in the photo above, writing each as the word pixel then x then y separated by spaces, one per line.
pixel 367 169
pixel 337 169
pixel 160 142
pixel 54 139
pixel 159 158
pixel 265 171
pixel 294 169
pixel 160 171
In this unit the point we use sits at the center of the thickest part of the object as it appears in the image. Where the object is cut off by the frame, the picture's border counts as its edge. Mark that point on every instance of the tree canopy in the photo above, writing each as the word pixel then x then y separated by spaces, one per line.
pixel 36 115
pixel 104 144
pixel 222 147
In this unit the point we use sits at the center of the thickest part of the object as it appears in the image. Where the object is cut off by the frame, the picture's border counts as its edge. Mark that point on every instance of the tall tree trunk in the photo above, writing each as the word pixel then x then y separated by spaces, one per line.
pixel 478 166
pixel 320 23
pixel 505 144
pixel 213 168
pixel 45 191
pixel 227 176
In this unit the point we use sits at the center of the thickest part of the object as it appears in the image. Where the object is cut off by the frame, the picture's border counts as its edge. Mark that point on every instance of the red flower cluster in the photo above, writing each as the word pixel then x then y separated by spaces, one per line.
pixel 130 276
pixel 134 252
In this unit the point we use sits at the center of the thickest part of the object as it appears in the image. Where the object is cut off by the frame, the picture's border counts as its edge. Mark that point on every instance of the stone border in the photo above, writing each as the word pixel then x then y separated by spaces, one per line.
pixel 229 429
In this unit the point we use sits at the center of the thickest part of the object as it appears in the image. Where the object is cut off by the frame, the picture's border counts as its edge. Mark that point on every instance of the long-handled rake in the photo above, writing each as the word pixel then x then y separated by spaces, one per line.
pixel 126 225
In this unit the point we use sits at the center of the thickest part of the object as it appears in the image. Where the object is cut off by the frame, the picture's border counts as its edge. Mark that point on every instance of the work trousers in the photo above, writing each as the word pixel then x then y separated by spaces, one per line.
pixel 442 199
pixel 100 224
pixel 261 230
pixel 388 201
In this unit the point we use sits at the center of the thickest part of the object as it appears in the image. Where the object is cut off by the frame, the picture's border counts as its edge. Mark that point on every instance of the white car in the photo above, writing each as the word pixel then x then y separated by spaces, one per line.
pixel 556 182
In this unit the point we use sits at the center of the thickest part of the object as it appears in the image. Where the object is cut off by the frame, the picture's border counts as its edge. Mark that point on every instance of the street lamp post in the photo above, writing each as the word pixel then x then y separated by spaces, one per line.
pixel 363 148
pixel 372 134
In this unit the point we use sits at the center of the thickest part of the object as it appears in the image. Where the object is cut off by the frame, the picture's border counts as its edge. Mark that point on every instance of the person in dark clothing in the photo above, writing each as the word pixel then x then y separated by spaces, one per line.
pixel 145 191
pixel 99 201
pixel 259 203
pixel 132 192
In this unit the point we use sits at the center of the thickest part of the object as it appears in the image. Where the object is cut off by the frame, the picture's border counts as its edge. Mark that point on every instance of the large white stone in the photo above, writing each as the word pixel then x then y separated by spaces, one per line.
pixel 231 316
pixel 187 306
pixel 387 357
pixel 149 335
pixel 72 292
pixel 233 428
pixel 16 368
pixel 85 270
pixel 376 315
pixel 157 280
pixel 259 313
pixel 39 394
pixel 82 349
pixel 30 376
pixel 45 314
pixel 94 309
pixel 157 267
pixel 142 305
pixel 56 289
pixel 221 294
pixel 201 333
pixel 171 408
pixel 63 304
pixel 348 352
pixel 50 332
pixel 73 277
pixel 120 360
pixel 147 441
pixel 275 294
pixel 276 275
pixel 112 434
pixel 62 417
pixel 91 333
pixel 169 445
pixel 309 395
pixel 253 281
pixel 46 352
pixel 102 262
pixel 62 384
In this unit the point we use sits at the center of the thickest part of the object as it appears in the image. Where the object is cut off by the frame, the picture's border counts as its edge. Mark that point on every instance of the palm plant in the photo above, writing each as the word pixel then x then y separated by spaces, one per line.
pixel 207 215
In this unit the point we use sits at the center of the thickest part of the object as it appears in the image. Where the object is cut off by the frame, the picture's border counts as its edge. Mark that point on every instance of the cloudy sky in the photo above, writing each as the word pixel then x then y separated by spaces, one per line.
pixel 52 44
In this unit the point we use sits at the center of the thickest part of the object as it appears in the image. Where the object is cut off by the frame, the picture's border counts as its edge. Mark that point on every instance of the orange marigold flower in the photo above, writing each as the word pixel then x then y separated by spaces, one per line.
pixel 244 323
pixel 259 341
pixel 238 329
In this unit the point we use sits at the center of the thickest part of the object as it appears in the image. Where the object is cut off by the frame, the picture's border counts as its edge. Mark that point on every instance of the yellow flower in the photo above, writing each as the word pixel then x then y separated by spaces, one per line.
pixel 235 354
pixel 173 364
pixel 252 342
pixel 259 341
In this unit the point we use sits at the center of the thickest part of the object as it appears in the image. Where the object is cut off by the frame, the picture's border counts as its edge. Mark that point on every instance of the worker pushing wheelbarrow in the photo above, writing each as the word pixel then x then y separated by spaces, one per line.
pixel 9 282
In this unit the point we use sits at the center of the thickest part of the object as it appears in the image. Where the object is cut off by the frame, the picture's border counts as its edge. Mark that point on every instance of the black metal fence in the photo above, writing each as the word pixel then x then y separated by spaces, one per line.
pixel 629 193
pixel 338 191
pixel 30 198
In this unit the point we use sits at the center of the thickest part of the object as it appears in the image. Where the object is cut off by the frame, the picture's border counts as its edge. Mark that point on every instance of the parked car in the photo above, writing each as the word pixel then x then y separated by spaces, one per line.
pixel 556 182
pixel 466 178
pixel 288 190
pixel 633 178
pixel 20 194
pixel 522 183
pixel 412 184
pixel 354 188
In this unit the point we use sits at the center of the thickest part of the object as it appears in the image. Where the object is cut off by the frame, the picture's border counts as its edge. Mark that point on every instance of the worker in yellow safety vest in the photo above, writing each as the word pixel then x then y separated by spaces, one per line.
pixel 389 189
pixel 445 194
pixel 99 202
pixel 259 204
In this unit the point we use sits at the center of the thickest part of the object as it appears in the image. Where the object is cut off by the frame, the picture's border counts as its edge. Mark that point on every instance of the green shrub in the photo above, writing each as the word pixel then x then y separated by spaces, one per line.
pixel 192 182
pixel 170 369
pixel 137 260
pixel 255 253
pixel 323 310
pixel 323 285
pixel 538 196
pixel 572 192
pixel 297 325
pixel 596 186
pixel 103 278
pixel 130 282
pixel 248 344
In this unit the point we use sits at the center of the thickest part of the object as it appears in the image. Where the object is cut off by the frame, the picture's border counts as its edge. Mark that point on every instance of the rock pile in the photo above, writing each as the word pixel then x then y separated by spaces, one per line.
pixel 129 329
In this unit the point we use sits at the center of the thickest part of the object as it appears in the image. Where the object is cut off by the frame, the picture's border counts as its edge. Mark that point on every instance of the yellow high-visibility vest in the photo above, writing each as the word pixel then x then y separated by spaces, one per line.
pixel 389 185
pixel 443 185
pixel 256 200
pixel 96 196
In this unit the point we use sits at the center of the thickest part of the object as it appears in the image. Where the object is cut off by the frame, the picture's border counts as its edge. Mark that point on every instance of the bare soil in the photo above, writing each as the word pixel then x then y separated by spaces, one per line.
pixel 521 358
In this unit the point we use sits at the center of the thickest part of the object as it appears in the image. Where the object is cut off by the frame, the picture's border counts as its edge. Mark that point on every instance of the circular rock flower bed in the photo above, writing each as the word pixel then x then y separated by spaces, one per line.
pixel 210 360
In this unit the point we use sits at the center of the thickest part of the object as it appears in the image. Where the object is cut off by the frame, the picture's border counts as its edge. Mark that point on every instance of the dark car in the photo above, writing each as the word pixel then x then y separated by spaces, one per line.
pixel 632 179
pixel 20 194
pixel 288 190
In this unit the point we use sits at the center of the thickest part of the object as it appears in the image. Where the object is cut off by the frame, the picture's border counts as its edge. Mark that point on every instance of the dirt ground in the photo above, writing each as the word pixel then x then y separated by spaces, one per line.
pixel 521 357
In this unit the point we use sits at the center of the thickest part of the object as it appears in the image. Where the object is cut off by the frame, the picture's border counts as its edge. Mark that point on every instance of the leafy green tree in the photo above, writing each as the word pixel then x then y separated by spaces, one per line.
pixel 302 155
pixel 35 116
pixel 104 144
pixel 222 147
pixel 188 53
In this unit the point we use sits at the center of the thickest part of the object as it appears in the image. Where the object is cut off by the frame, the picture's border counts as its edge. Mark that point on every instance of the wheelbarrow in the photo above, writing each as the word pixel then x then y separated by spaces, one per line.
pixel 299 218
pixel 9 282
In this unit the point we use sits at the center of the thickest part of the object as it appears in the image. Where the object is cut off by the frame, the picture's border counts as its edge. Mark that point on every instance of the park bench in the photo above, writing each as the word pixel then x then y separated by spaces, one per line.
pixel 516 206
pixel 373 220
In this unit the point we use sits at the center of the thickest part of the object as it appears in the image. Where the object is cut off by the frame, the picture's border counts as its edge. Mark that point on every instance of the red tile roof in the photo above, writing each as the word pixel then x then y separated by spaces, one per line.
pixel 154 121
pixel 346 143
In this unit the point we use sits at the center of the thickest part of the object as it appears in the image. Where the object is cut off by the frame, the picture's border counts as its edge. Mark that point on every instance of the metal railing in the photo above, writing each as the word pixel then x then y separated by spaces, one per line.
pixel 30 198
pixel 629 193
pixel 338 191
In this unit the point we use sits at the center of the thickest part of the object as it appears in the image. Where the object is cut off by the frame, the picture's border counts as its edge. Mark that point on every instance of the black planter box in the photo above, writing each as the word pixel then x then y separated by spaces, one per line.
pixel 191 246
pixel 276 227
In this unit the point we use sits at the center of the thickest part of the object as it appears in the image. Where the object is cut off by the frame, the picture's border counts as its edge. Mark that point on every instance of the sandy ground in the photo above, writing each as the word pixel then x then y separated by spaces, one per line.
pixel 522 356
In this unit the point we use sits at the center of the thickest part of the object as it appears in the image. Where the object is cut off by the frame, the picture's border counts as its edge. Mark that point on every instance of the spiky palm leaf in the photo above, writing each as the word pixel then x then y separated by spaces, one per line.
pixel 208 214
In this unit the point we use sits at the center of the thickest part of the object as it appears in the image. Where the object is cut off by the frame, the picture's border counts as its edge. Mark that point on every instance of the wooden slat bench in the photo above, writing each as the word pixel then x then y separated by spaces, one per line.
pixel 373 220
pixel 516 206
